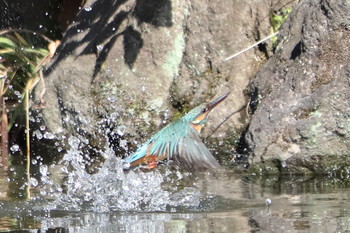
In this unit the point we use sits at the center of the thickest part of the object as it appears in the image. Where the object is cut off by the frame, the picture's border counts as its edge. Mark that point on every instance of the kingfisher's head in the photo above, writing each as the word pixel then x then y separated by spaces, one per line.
pixel 198 116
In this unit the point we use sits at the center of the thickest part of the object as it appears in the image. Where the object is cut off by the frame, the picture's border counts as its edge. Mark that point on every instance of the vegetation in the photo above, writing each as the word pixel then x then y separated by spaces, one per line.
pixel 276 20
pixel 22 59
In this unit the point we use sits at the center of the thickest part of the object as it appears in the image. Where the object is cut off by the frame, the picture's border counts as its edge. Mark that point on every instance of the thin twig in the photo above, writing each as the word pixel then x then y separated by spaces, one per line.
pixel 250 47
pixel 3 32
pixel 27 142
pixel 228 117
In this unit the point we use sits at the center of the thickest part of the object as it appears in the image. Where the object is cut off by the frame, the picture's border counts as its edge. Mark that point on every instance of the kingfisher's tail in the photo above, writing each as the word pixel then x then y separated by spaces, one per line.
pixel 137 156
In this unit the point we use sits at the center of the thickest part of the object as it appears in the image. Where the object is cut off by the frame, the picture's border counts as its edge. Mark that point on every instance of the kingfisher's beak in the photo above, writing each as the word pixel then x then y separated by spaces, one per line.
pixel 216 102
pixel 197 123
pixel 208 108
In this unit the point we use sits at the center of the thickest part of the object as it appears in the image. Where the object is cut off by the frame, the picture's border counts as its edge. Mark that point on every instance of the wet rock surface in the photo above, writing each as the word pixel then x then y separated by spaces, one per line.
pixel 300 98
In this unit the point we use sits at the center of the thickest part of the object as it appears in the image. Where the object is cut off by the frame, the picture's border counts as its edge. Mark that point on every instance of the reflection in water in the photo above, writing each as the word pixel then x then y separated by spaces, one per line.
pixel 150 222
pixel 66 198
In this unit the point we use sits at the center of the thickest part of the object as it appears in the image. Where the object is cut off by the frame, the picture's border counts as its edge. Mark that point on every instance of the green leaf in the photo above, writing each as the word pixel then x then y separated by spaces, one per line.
pixel 7 43
pixel 21 39
pixel 42 52
pixel 4 51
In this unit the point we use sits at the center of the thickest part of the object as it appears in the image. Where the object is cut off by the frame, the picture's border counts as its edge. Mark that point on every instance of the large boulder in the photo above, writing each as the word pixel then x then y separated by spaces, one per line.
pixel 132 65
pixel 301 97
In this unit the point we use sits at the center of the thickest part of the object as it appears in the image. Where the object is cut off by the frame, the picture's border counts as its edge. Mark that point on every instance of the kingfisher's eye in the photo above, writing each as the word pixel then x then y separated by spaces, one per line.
pixel 204 110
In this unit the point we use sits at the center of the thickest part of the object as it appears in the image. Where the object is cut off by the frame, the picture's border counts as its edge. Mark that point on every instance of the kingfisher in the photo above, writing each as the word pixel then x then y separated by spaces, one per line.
pixel 179 141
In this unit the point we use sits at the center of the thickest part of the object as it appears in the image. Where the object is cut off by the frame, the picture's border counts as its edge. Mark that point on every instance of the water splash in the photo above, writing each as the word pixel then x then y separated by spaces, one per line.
pixel 111 188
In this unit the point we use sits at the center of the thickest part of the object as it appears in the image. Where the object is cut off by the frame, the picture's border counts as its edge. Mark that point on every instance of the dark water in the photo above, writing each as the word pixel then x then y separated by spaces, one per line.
pixel 65 198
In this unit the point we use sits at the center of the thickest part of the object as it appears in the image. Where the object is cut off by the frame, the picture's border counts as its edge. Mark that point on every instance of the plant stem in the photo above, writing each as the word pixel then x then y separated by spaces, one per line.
pixel 27 142
pixel 4 134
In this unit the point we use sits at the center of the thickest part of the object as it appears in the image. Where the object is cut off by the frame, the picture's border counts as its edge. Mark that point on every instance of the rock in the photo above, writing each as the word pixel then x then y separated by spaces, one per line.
pixel 138 64
pixel 301 98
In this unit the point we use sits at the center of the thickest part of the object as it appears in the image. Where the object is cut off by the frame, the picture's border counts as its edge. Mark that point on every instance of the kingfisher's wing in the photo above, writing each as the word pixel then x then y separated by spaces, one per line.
pixel 177 141
pixel 192 153
pixel 165 142
pixel 162 145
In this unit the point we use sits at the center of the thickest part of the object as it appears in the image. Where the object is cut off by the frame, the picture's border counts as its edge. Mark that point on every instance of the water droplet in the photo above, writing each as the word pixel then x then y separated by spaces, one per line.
pixel 126 166
pixel 48 135
pixel 40 26
pixel 121 130
pixel 33 182
pixel 88 8
pixel 14 148
pixel 19 95
pixel 111 99
pixel 74 142
pixel 42 127
pixel 99 47
pixel 38 134
pixel 43 170
pixel 64 169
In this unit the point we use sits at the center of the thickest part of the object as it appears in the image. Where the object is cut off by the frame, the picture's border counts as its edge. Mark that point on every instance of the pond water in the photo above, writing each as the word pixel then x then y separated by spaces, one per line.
pixel 63 197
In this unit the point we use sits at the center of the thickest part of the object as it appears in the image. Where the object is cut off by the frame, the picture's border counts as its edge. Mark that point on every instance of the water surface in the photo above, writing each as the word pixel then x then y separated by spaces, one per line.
pixel 65 198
